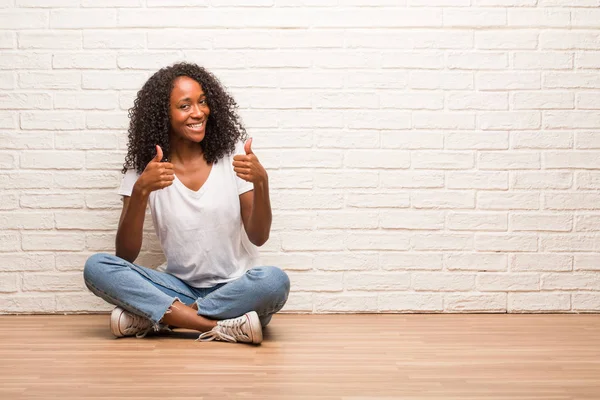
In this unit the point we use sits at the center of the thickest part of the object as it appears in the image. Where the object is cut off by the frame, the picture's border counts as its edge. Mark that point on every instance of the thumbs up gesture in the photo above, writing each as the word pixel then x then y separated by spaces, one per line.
pixel 247 166
pixel 157 175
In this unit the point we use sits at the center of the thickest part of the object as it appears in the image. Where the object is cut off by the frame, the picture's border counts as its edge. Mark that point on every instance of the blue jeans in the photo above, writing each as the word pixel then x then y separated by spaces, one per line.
pixel 149 293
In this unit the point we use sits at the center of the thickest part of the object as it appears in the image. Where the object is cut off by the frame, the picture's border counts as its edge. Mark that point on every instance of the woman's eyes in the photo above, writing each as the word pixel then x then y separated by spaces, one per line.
pixel 186 106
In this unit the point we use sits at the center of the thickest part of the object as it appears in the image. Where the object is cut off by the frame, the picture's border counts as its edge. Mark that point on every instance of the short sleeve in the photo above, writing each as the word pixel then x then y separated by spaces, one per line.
pixel 242 185
pixel 129 179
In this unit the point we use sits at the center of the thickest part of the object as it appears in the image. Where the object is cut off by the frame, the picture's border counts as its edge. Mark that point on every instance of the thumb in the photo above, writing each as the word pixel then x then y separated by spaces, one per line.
pixel 159 154
pixel 248 146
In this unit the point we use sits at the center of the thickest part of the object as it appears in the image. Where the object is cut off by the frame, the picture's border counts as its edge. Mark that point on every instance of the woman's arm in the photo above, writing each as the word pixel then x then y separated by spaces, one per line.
pixel 256 213
pixel 255 204
pixel 131 225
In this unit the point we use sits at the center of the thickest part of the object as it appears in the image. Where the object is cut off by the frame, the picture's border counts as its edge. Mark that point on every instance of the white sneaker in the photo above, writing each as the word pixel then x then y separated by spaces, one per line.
pixel 245 329
pixel 124 323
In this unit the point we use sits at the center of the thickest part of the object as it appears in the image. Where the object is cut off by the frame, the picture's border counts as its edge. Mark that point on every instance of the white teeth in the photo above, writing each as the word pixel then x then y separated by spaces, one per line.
pixel 195 126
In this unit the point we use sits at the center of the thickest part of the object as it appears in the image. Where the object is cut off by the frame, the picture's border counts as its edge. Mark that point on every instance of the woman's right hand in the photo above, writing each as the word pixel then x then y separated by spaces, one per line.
pixel 157 175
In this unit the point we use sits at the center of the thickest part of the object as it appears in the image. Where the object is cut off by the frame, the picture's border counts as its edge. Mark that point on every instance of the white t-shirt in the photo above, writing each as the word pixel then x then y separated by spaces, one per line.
pixel 201 232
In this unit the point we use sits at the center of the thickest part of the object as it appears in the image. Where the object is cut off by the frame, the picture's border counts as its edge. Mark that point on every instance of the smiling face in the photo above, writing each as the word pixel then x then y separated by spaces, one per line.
pixel 188 109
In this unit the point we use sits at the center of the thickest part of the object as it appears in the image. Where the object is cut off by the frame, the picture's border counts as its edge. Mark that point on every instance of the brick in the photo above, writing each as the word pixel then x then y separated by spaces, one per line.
pixel 10 242
pixel 477 101
pixel 7 40
pixel 84 61
pixel 26 220
pixel 368 139
pixel 272 99
pixel 492 303
pixel 377 240
pixel 332 59
pixel 536 17
pixel 7 80
pixel 508 201
pixel 87 220
pixel 547 100
pixel 411 219
pixel 572 281
pixel 477 221
pixel 586 301
pixel 25 100
pixel 82 19
pixel 377 200
pixel 47 3
pixel 571 243
pixel 502 39
pixel 63 200
pixel 8 160
pixel 107 39
pixel 408 140
pixel 53 241
pixel 452 80
pixel 587 180
pixel 345 302
pixel 438 241
pixel 542 140
pixel 510 120
pixel 413 60
pixel 443 282
pixel 50 40
pixel 475 262
pixel 52 160
pixel 113 3
pixel 9 282
pixel 23 19
pixel 376 159
pixel 571 159
pixel 505 242
pixel 355 261
pixel 297 241
pixel 508 80
pixel 86 180
pixel 571 80
pixel 29 261
pixel 443 200
pixel 587 223
pixel 285 221
pixel 24 61
pixel 105 120
pixel 147 60
pixel 477 61
pixel 347 220
pixel 121 80
pixel 403 302
pixel 302 200
pixel 442 160
pixel 85 101
pixel 326 100
pixel 475 18
pixel 541 180
pixel 410 261
pixel 27 140
pixel 27 303
pixel 587 140
pixel 541 222
pixel 541 262
pixel 409 101
pixel 571 201
pixel 477 180
pixel 49 80
pixel 585 18
pixel 488 140
pixel 509 160
pixel 289 179
pixel 379 119
pixel 587 262
pixel 81 302
pixel 426 39
pixel 317 281
pixel 26 180
pixel 568 40
pixel 377 281
pixel 542 60
pixel 9 201
pixel 588 101
pixel 436 120
pixel 588 59
pixel 44 282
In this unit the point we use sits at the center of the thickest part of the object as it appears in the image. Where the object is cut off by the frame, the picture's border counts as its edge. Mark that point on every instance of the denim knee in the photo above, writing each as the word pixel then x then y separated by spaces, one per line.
pixel 274 282
pixel 94 268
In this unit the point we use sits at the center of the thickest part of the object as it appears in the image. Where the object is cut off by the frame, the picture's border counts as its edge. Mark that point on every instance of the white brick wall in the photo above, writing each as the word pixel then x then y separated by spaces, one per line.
pixel 424 155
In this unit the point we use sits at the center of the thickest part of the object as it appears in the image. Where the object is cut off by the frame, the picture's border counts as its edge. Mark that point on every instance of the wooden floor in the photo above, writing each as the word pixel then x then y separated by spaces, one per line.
pixel 350 357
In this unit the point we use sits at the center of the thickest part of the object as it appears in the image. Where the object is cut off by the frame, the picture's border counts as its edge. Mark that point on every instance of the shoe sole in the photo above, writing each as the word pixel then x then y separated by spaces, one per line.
pixel 115 318
pixel 255 327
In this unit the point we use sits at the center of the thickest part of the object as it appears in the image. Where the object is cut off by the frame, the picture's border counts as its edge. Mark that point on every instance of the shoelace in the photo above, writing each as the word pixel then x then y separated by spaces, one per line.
pixel 229 330
pixel 138 324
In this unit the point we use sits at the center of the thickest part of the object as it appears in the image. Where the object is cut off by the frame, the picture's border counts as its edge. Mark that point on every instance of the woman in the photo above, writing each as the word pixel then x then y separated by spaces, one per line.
pixel 209 199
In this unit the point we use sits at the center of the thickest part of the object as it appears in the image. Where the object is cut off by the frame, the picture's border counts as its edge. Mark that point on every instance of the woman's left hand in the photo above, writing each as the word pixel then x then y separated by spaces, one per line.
pixel 248 167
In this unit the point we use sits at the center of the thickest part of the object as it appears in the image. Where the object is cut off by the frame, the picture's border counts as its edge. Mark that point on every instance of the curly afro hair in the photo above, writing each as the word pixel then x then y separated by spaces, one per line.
pixel 150 122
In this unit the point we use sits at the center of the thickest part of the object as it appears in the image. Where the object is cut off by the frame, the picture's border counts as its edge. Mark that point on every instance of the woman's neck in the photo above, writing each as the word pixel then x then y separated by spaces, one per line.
pixel 184 152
